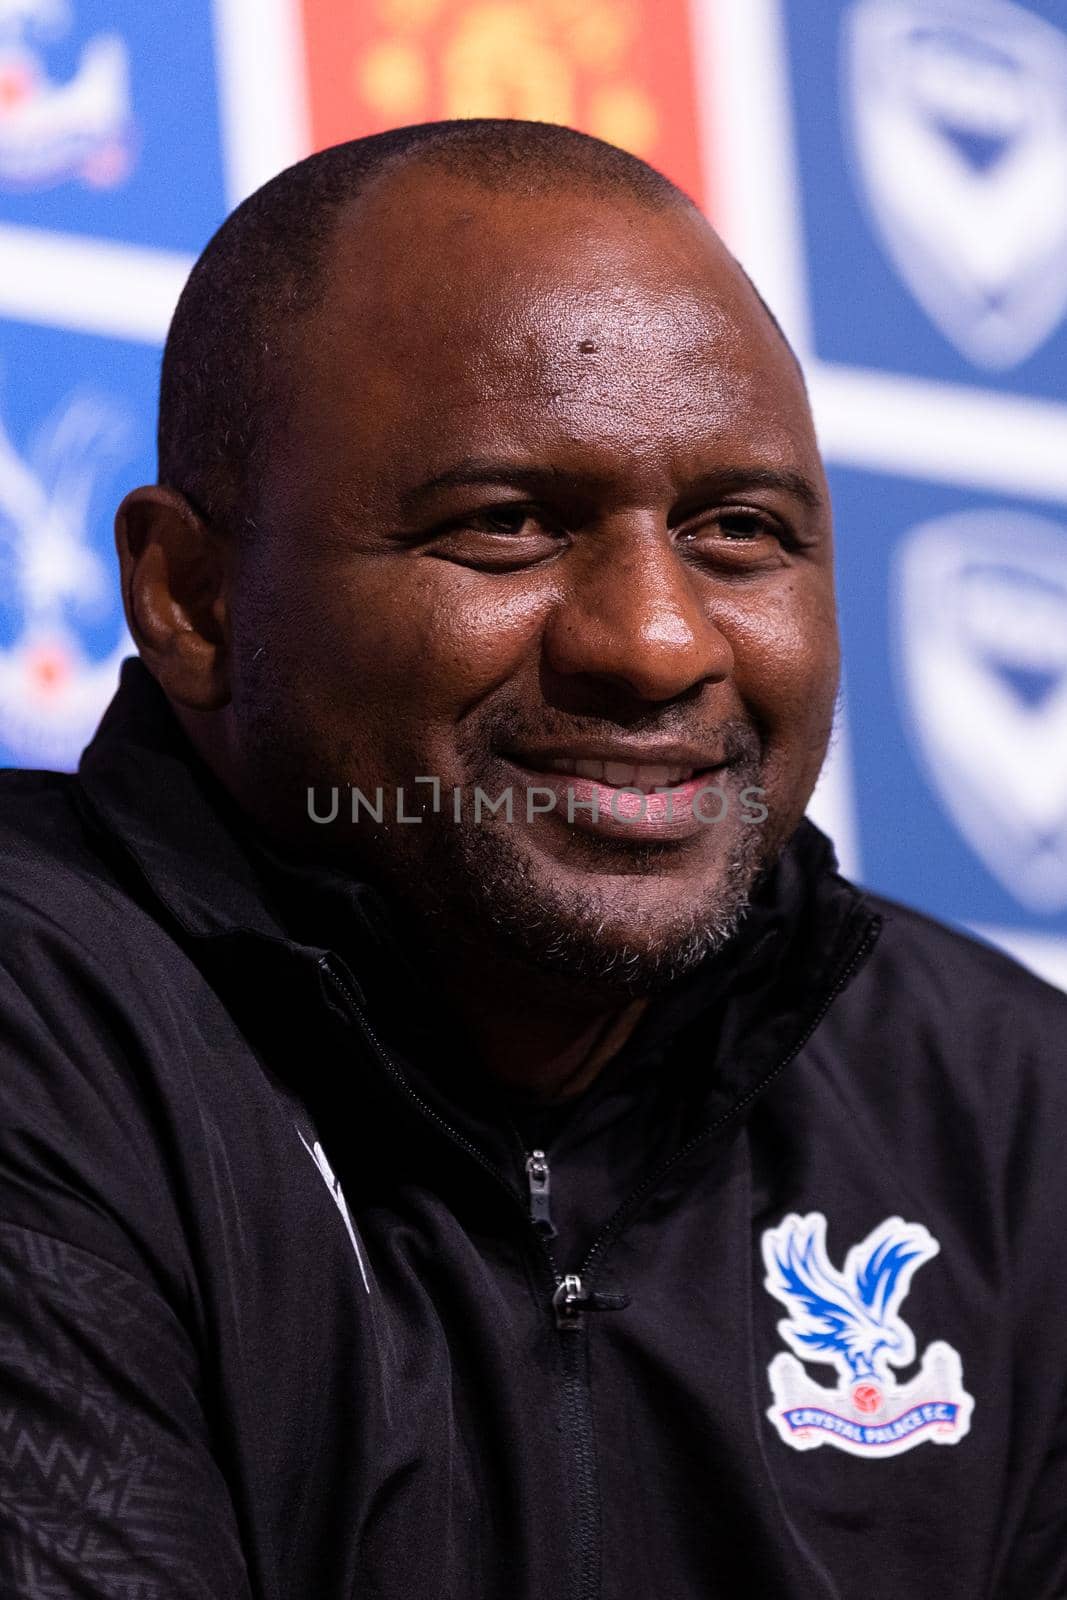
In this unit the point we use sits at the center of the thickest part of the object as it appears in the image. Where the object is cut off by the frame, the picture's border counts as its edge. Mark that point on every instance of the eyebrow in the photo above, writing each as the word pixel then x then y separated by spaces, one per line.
pixel 477 470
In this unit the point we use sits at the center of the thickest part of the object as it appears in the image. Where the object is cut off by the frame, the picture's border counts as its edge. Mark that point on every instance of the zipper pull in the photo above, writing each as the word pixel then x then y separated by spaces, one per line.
pixel 567 1302
pixel 537 1177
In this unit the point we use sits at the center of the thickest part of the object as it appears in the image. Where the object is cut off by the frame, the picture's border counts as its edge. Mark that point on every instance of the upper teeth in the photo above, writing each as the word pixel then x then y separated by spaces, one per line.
pixel 621 774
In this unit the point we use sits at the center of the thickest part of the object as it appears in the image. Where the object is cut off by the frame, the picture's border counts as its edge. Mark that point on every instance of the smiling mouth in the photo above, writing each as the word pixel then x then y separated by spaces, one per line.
pixel 648 777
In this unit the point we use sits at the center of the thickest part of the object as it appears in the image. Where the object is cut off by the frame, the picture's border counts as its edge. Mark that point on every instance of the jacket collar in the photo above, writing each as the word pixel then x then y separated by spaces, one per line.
pixel 198 853
pixel 200 858
pixel 163 806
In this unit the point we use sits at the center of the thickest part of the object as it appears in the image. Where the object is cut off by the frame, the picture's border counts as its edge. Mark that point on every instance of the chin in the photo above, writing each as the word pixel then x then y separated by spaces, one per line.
pixel 637 948
pixel 631 967
pixel 634 932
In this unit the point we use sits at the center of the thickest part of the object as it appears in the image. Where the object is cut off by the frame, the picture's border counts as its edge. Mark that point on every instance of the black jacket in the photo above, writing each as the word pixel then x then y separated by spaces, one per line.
pixel 276 1319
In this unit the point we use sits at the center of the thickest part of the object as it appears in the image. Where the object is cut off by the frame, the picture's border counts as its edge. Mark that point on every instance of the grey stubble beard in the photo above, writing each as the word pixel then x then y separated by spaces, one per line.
pixel 478 886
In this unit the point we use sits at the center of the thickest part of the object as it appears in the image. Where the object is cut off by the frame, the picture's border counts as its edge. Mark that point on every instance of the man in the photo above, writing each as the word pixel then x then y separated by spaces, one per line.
pixel 461 1136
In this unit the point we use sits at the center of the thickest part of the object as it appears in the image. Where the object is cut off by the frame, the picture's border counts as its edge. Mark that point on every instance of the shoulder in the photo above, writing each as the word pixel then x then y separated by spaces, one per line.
pixel 60 894
pixel 932 966
pixel 37 812
pixel 82 1038
pixel 89 978
pixel 46 846
pixel 939 1020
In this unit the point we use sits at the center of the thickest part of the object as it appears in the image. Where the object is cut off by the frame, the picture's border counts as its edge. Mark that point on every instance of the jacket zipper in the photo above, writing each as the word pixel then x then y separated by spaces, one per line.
pixel 571 1295
pixel 355 1009
pixel 619 1219
pixel 538 1179
pixel 568 1301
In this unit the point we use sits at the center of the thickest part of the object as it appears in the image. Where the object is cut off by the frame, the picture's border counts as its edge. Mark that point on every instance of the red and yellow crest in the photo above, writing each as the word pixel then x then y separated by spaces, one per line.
pixel 620 69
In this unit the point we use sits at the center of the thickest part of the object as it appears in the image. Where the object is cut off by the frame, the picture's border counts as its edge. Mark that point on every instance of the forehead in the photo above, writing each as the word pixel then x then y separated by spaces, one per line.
pixel 454 320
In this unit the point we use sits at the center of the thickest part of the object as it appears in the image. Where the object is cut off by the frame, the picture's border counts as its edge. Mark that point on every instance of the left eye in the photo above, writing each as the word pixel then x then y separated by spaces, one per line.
pixel 743 525
pixel 736 539
pixel 499 519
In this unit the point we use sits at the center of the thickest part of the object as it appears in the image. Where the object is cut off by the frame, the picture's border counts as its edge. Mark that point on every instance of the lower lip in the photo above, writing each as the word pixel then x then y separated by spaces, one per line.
pixel 618 813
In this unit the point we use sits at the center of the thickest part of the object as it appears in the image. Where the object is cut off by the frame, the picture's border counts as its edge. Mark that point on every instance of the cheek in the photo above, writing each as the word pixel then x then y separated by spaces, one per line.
pixel 400 642
pixel 786 658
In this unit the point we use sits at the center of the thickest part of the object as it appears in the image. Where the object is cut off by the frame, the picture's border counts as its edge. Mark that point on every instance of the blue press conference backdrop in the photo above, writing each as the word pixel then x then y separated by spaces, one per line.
pixel 894 174
pixel 932 153
pixel 952 615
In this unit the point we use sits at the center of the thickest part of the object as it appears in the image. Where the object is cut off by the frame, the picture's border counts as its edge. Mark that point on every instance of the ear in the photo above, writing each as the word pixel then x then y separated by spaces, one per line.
pixel 175 589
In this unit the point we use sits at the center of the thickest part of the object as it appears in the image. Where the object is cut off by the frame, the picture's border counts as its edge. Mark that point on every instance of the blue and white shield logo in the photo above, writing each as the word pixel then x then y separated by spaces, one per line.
pixel 850 1320
pixel 980 637
pixel 959 123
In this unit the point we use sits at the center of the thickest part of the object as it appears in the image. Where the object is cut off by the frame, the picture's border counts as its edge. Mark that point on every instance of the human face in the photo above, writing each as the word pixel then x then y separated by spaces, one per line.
pixel 547 494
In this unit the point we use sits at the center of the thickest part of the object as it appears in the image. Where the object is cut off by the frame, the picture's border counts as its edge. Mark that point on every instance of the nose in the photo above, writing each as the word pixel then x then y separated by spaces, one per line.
pixel 636 615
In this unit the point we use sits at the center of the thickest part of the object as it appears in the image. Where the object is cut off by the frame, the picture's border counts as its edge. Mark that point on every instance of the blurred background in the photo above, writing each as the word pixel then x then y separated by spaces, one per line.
pixel 893 174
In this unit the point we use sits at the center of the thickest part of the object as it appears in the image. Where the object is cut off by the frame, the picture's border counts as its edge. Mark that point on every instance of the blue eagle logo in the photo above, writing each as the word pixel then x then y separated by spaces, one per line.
pixel 849 1318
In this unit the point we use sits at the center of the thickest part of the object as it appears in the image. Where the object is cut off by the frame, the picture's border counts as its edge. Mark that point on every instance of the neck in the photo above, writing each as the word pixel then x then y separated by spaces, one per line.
pixel 537 1032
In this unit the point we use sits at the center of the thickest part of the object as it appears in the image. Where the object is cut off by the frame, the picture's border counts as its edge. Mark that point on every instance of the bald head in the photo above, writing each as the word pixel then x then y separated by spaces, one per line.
pixel 228 374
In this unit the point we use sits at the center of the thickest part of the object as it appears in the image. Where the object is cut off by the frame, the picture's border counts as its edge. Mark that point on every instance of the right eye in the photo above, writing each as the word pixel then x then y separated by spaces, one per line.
pixel 509 519
pixel 498 538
